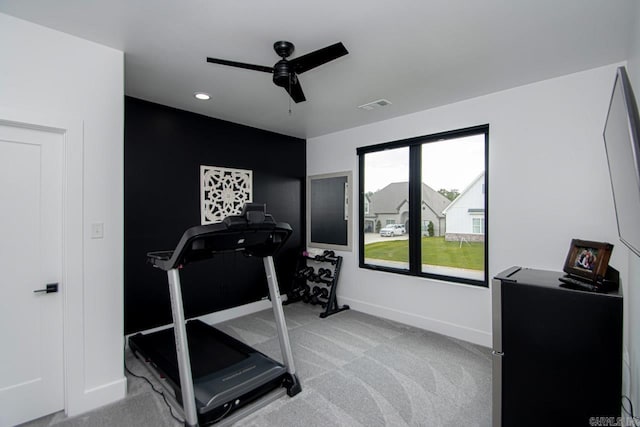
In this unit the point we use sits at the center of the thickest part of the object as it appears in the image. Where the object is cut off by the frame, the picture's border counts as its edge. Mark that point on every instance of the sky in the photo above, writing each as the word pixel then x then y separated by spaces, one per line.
pixel 450 164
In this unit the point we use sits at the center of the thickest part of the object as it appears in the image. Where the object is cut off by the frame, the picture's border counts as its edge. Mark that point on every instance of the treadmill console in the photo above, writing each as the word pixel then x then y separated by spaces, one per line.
pixel 253 232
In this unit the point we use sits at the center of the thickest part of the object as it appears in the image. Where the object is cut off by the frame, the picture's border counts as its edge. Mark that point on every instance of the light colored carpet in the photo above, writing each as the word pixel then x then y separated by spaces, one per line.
pixel 355 369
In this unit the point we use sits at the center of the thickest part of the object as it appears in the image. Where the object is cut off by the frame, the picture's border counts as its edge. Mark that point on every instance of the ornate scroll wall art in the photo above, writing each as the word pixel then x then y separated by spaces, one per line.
pixel 223 192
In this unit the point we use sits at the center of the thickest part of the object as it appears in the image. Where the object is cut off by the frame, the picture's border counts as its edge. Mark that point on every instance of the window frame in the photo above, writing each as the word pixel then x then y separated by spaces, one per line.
pixel 415 201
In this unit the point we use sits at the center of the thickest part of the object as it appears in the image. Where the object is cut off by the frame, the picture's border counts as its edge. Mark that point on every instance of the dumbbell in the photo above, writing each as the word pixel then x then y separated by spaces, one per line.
pixel 330 256
pixel 319 293
pixel 302 290
pixel 306 290
pixel 294 295
pixel 306 293
pixel 303 275
pixel 316 277
pixel 305 272
pixel 324 293
pixel 312 297
pixel 324 272
pixel 324 276
pixel 316 301
pixel 315 293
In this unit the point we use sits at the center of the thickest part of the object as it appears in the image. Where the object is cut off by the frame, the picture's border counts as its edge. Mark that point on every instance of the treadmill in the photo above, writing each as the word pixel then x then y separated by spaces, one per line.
pixel 208 375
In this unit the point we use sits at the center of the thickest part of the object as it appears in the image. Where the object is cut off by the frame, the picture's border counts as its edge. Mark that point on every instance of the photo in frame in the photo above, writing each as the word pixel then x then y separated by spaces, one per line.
pixel 588 259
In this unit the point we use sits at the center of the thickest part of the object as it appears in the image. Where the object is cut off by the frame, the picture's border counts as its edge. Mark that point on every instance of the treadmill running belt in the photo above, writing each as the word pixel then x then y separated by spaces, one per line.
pixel 211 355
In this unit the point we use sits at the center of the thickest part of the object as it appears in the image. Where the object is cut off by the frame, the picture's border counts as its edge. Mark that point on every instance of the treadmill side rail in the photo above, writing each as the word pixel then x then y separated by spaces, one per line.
pixel 182 349
pixel 281 325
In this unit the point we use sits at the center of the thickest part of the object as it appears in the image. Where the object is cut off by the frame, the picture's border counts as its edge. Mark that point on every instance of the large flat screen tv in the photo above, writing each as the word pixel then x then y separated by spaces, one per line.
pixel 622 143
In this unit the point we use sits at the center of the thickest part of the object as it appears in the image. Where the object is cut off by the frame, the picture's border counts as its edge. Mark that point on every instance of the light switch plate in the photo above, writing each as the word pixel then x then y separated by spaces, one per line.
pixel 97 230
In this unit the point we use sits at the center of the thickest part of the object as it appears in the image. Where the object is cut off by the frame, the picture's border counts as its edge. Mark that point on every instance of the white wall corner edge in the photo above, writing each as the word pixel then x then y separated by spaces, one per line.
pixel 626 372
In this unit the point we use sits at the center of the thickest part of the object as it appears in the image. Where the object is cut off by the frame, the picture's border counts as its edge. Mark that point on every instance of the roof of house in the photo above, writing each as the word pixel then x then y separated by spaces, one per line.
pixel 389 199
pixel 465 191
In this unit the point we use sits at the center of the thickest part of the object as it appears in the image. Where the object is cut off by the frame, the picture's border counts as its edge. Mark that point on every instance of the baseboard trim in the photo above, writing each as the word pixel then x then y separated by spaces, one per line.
pixel 449 329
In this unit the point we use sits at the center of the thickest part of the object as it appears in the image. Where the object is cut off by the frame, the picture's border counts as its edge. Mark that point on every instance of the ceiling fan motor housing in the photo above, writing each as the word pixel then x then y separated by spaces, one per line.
pixel 282 74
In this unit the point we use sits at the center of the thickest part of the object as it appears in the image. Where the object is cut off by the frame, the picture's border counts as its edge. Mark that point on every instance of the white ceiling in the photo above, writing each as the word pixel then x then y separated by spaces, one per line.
pixel 418 54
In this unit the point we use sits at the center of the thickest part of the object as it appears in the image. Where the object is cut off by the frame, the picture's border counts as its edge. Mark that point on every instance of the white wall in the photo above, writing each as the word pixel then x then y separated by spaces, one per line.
pixel 545 139
pixel 45 72
pixel 632 296
pixel 634 52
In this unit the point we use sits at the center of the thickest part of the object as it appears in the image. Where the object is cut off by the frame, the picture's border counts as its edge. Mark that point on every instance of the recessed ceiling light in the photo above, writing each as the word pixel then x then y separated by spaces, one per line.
pixel 202 96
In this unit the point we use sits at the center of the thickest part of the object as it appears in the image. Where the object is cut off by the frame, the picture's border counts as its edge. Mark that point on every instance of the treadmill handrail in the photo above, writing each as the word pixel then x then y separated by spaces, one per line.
pixel 234 234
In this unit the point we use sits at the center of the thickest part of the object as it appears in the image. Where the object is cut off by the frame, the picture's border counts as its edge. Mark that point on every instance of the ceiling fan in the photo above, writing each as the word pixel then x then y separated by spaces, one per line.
pixel 285 72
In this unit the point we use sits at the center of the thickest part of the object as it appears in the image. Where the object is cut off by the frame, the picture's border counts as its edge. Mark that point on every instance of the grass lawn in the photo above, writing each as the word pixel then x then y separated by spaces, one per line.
pixel 435 251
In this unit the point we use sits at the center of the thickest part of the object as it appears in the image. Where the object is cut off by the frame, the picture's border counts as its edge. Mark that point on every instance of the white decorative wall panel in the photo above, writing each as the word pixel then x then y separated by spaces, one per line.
pixel 223 192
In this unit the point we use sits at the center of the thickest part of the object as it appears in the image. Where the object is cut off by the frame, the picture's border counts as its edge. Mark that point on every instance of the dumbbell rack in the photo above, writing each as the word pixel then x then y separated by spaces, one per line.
pixel 308 286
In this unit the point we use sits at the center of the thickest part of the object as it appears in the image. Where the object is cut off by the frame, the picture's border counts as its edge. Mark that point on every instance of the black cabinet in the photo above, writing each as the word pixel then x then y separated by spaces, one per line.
pixel 557 356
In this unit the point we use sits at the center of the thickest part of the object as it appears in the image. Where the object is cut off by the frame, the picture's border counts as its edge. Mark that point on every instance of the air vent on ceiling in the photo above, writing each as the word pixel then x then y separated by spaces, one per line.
pixel 374 104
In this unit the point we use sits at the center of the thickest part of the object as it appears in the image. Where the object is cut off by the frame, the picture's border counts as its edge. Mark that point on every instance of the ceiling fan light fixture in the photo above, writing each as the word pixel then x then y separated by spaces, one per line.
pixel 202 96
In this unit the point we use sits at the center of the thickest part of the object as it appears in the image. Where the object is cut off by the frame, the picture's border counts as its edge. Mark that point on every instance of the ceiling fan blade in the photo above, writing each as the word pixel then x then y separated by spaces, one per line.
pixel 318 57
pixel 295 90
pixel 240 65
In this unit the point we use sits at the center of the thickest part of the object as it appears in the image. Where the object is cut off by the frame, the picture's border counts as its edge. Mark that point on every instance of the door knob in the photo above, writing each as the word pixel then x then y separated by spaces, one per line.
pixel 51 288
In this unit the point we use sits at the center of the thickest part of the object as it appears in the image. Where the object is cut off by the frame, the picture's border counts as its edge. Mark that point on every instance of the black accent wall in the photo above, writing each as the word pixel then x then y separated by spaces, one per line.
pixel 164 148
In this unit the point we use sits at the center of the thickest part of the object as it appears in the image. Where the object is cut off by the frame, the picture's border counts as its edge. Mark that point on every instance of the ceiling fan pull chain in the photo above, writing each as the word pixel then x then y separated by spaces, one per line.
pixel 289 92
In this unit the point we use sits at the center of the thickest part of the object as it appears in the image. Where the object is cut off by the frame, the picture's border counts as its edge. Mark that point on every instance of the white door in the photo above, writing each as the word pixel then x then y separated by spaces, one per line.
pixel 31 358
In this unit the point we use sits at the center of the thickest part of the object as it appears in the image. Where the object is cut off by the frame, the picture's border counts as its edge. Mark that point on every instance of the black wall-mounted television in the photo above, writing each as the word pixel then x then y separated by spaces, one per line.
pixel 622 143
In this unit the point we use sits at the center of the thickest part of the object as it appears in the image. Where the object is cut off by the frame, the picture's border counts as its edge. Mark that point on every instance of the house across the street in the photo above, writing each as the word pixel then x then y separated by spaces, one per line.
pixel 465 215
pixel 390 205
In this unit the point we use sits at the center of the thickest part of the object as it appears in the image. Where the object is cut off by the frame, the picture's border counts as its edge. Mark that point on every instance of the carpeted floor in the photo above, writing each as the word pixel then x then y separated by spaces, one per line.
pixel 355 369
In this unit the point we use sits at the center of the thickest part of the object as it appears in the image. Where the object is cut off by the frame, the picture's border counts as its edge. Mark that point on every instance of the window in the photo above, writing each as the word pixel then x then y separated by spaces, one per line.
pixel 478 225
pixel 386 174
pixel 423 206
